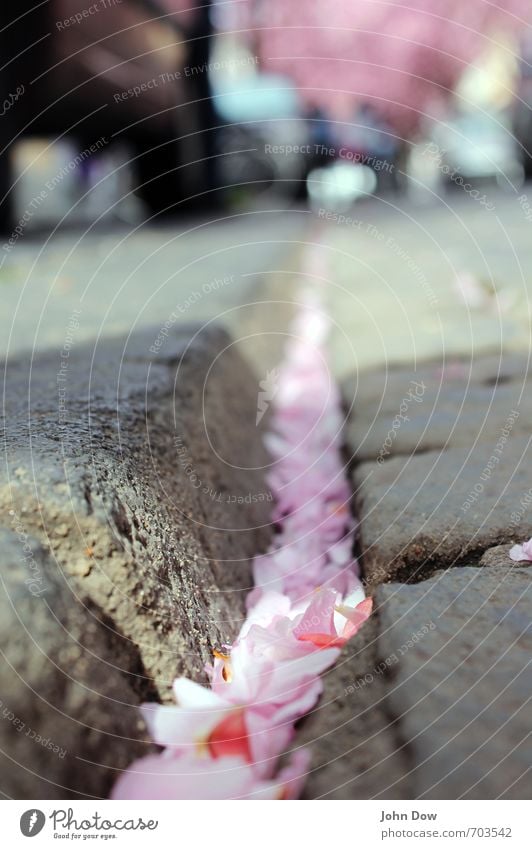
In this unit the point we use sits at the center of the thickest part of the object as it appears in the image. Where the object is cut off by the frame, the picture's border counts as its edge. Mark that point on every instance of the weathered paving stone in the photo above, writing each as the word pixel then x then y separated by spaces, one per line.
pixel 436 406
pixel 431 699
pixel 147 492
pixel 460 690
pixel 420 513
pixel 356 751
pixel 440 463
pixel 69 687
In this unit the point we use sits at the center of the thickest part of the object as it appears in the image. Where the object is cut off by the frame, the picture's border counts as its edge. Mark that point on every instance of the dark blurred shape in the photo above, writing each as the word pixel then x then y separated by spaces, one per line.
pixel 118 71
pixel 370 140
pixel 522 124
pixel 261 130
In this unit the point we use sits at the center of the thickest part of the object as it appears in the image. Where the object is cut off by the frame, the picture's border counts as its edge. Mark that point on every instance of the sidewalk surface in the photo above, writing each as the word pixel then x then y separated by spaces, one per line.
pixel 431 342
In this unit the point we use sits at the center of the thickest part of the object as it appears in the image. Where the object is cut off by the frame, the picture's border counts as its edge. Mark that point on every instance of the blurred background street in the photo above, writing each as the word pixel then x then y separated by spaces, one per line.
pixel 401 282
pixel 161 163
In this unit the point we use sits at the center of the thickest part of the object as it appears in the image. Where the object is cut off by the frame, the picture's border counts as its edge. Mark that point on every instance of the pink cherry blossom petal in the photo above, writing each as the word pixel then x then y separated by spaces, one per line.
pixel 224 741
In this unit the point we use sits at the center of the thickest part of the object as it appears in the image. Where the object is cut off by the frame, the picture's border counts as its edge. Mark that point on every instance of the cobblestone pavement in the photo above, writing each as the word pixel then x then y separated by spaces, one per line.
pixel 432 345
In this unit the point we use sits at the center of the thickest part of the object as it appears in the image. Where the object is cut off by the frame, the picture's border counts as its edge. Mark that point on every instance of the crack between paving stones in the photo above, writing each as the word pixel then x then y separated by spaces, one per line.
pixel 401 747
pixel 407 571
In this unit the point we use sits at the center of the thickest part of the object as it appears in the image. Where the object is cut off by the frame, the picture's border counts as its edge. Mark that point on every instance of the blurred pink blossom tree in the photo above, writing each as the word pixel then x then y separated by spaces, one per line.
pixel 403 56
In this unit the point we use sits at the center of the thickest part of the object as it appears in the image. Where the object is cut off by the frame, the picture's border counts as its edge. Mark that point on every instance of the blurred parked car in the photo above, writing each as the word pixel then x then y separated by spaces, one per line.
pixel 112 69
pixel 262 137
pixel 478 148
